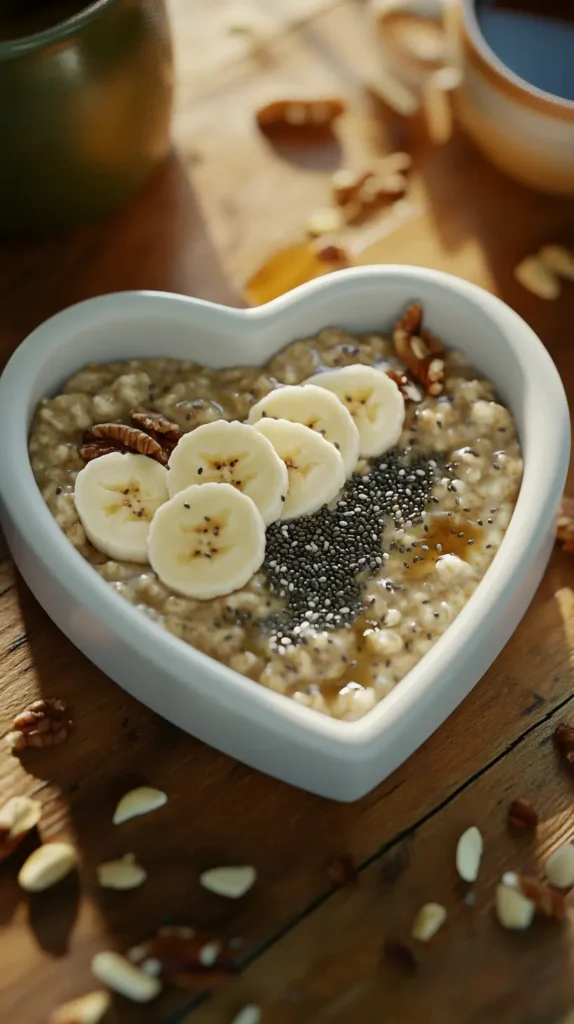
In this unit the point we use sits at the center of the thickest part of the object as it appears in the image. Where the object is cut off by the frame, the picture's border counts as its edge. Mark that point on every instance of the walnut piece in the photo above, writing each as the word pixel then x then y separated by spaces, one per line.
pixel 186 957
pixel 419 350
pixel 44 724
pixel 311 119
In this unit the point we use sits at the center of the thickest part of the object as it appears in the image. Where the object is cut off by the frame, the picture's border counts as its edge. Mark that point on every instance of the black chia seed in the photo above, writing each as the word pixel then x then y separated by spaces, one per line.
pixel 320 563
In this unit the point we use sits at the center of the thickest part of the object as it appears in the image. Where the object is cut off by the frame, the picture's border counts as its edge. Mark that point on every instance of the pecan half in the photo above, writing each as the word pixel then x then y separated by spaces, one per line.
pixel 564 740
pixel 44 724
pixel 157 426
pixel 419 350
pixel 522 814
pixel 549 902
pixel 126 438
pixel 186 957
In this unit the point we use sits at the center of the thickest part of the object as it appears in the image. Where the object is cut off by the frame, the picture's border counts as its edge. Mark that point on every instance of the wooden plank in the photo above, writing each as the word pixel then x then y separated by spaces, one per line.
pixel 332 967
pixel 202 227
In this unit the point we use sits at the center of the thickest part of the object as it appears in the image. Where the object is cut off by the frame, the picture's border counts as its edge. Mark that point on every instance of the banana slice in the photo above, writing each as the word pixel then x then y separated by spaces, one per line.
pixel 315 467
pixel 233 453
pixel 374 401
pixel 116 498
pixel 207 541
pixel 318 409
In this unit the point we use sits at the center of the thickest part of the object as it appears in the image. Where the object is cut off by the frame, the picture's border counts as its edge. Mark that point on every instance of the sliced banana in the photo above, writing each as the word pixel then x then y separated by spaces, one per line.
pixel 373 400
pixel 317 408
pixel 116 498
pixel 232 453
pixel 207 541
pixel 315 467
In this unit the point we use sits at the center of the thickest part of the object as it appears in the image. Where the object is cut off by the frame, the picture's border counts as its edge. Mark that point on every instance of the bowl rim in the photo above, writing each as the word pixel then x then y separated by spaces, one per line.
pixel 502 76
pixel 42 535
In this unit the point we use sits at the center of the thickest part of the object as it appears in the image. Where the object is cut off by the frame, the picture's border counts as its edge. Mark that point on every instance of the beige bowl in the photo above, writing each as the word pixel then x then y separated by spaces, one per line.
pixel 524 131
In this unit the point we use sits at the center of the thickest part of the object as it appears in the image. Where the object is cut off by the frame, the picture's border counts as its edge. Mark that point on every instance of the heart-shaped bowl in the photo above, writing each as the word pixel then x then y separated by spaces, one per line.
pixel 337 759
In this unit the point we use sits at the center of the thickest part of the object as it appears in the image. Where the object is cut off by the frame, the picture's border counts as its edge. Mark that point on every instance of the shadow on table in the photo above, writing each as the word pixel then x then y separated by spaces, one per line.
pixel 159 241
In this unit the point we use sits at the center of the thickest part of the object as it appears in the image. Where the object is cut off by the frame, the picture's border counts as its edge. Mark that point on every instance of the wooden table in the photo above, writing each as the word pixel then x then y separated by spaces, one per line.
pixel 224 202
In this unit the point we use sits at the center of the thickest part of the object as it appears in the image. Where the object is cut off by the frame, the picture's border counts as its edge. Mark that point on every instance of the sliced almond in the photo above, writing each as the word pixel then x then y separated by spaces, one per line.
pixel 46 866
pixel 428 921
pixel 513 910
pixel 537 278
pixel 209 953
pixel 88 1009
pixel 558 259
pixel 138 801
pixel 437 110
pixel 121 976
pixel 124 873
pixel 232 882
pixel 560 867
pixel 469 854
pixel 250 1014
pixel 325 220
pixel 18 817
pixel 393 94
pixel 395 163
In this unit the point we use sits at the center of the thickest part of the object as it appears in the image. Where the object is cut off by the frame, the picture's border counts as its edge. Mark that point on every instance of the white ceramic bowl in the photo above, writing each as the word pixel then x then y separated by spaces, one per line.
pixel 342 760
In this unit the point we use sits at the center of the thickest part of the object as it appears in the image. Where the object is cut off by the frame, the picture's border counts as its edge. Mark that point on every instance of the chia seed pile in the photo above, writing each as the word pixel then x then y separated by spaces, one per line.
pixel 319 564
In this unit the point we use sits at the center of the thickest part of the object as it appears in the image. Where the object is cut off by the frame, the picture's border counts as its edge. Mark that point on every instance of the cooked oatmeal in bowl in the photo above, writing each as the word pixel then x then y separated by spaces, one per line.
pixel 315 524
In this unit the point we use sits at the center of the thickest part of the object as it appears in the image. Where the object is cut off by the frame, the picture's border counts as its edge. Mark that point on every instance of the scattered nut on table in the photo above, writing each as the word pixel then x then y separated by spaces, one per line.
pixel 560 867
pixel 522 814
pixel 121 976
pixel 548 902
pixel 514 911
pixel 124 873
pixel 564 740
pixel 18 817
pixel 138 801
pixel 558 259
pixel 427 922
pixel 538 278
pixel 309 117
pixel 88 1009
pixel 187 957
pixel 47 866
pixel 232 882
pixel 250 1014
pixel 44 724
pixel 469 854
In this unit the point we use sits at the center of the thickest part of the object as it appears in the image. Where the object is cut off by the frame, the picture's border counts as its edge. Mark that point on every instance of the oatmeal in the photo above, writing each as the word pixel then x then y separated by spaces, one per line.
pixel 351 593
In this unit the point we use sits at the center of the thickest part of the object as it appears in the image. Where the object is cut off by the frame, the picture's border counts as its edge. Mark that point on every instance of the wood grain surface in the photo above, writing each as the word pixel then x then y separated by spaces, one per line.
pixel 224 202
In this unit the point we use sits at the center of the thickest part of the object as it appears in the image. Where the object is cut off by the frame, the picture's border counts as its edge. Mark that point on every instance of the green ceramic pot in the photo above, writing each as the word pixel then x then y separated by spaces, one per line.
pixel 84 114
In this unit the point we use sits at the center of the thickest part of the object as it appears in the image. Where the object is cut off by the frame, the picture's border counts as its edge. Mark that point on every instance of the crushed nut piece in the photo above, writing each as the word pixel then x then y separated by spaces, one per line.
pixel 121 976
pixel 309 118
pixel 346 184
pixel 138 801
pixel 428 370
pixel 187 958
pixel 564 740
pixel 326 220
pixel 558 259
pixel 514 911
pixel 429 919
pixel 44 724
pixel 399 954
pixel 469 854
pixel 124 873
pixel 560 867
pixel 329 252
pixel 521 814
pixel 47 866
pixel 537 278
pixel 232 882
pixel 548 902
pixel 88 1009
pixel 409 391
pixel 125 438
pixel 18 817
pixel 341 871
pixel 250 1014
